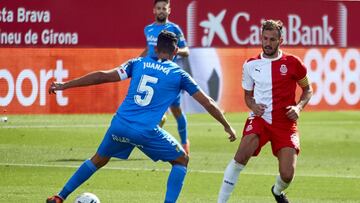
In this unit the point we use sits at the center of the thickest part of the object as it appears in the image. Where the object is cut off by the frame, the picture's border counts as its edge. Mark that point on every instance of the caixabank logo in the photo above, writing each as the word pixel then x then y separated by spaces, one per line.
pixel 230 24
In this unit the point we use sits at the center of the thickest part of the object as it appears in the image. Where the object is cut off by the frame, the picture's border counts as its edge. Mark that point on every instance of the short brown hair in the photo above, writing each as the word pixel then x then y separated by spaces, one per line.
pixel 166 1
pixel 272 25
pixel 167 42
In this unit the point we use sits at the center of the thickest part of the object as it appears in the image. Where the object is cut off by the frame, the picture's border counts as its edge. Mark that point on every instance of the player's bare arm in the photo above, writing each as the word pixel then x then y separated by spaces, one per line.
pixel 184 52
pixel 92 78
pixel 293 112
pixel 210 105
pixel 258 109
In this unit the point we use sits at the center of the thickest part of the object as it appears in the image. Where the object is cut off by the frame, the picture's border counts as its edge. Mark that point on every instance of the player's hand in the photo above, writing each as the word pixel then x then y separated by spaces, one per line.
pixel 293 112
pixel 258 109
pixel 55 86
pixel 232 133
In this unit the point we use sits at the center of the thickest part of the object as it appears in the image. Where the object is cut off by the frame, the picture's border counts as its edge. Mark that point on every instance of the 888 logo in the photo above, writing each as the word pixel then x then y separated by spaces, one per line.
pixel 334 75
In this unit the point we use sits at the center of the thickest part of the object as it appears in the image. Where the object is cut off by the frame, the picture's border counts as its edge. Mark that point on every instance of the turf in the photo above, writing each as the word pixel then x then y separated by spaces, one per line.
pixel 40 152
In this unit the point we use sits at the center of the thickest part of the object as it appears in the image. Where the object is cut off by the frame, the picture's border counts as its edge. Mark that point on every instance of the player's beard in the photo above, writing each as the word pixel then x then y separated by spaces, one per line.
pixel 161 18
pixel 269 51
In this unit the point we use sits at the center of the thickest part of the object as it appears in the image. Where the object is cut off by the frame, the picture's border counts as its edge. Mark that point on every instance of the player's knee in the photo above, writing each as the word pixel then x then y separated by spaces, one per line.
pixel 99 161
pixel 247 148
pixel 287 175
pixel 241 158
pixel 182 160
pixel 185 159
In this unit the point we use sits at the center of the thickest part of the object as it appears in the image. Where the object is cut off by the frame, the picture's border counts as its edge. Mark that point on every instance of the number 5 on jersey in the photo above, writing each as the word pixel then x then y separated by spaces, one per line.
pixel 144 88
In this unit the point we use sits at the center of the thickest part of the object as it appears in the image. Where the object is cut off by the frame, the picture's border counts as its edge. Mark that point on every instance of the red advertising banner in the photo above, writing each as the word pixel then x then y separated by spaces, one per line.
pixel 25 75
pixel 42 41
pixel 231 23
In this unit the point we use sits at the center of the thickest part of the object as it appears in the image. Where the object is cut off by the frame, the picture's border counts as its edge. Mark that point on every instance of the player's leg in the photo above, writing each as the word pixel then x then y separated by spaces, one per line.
pixel 83 173
pixel 176 178
pixel 251 143
pixel 287 163
pixel 163 146
pixel 247 147
pixel 163 120
pixel 285 146
pixel 108 148
pixel 181 123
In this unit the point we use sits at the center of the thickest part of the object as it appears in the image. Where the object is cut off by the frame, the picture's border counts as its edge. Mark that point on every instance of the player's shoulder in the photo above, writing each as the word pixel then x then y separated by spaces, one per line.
pixel 132 62
pixel 137 59
pixel 181 74
pixel 175 27
pixel 290 57
pixel 149 26
pixel 172 24
pixel 174 66
pixel 253 59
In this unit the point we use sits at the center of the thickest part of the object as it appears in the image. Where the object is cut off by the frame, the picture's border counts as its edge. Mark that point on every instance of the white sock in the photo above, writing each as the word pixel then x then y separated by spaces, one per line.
pixel 231 175
pixel 280 185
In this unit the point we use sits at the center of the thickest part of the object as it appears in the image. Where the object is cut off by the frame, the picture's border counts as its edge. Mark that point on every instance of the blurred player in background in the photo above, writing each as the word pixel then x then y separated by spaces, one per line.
pixel 269 81
pixel 155 83
pixel 161 11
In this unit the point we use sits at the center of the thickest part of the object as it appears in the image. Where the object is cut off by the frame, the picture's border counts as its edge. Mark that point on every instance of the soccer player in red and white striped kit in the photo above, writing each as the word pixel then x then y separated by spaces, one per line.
pixel 269 82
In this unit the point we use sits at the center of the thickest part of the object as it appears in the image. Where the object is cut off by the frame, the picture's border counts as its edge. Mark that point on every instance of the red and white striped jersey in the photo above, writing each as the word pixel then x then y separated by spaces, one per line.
pixel 274 82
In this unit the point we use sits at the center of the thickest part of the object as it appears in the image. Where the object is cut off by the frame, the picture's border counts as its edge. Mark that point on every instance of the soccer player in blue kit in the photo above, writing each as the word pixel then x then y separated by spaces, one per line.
pixel 155 83
pixel 162 11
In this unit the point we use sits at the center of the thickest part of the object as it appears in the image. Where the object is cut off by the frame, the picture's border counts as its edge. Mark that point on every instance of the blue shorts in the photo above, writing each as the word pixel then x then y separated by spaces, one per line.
pixel 176 102
pixel 120 139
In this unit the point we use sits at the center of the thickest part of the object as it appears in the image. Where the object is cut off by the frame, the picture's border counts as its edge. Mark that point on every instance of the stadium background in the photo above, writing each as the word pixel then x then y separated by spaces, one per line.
pixel 43 40
pixel 38 153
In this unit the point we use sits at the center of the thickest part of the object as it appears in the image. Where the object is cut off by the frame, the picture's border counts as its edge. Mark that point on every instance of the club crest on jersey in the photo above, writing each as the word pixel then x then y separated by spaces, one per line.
pixel 283 69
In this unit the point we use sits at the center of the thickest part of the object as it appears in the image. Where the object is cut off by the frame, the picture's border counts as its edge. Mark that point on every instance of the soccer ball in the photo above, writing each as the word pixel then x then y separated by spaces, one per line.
pixel 87 197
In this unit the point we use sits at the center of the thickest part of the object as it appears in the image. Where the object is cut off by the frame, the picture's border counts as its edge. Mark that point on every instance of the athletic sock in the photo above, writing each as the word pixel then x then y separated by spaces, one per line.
pixel 231 175
pixel 175 183
pixel 280 185
pixel 80 176
pixel 181 123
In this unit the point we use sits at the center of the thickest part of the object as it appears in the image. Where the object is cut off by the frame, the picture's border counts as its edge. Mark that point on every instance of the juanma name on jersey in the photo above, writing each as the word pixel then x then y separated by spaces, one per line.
pixel 156 67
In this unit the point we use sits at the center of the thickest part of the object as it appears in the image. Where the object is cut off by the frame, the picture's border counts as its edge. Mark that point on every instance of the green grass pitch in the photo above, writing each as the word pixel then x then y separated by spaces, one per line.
pixel 40 152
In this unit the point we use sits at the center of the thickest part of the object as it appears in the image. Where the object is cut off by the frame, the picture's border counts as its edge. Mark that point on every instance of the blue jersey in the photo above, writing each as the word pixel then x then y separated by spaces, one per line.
pixel 153 87
pixel 153 30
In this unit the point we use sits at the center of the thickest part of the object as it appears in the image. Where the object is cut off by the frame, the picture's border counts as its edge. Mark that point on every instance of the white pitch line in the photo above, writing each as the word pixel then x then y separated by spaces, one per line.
pixel 168 170
pixel 55 126
pixel 315 123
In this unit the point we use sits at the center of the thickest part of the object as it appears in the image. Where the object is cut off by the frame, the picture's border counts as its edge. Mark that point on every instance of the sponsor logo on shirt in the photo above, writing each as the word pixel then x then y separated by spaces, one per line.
pixel 151 39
